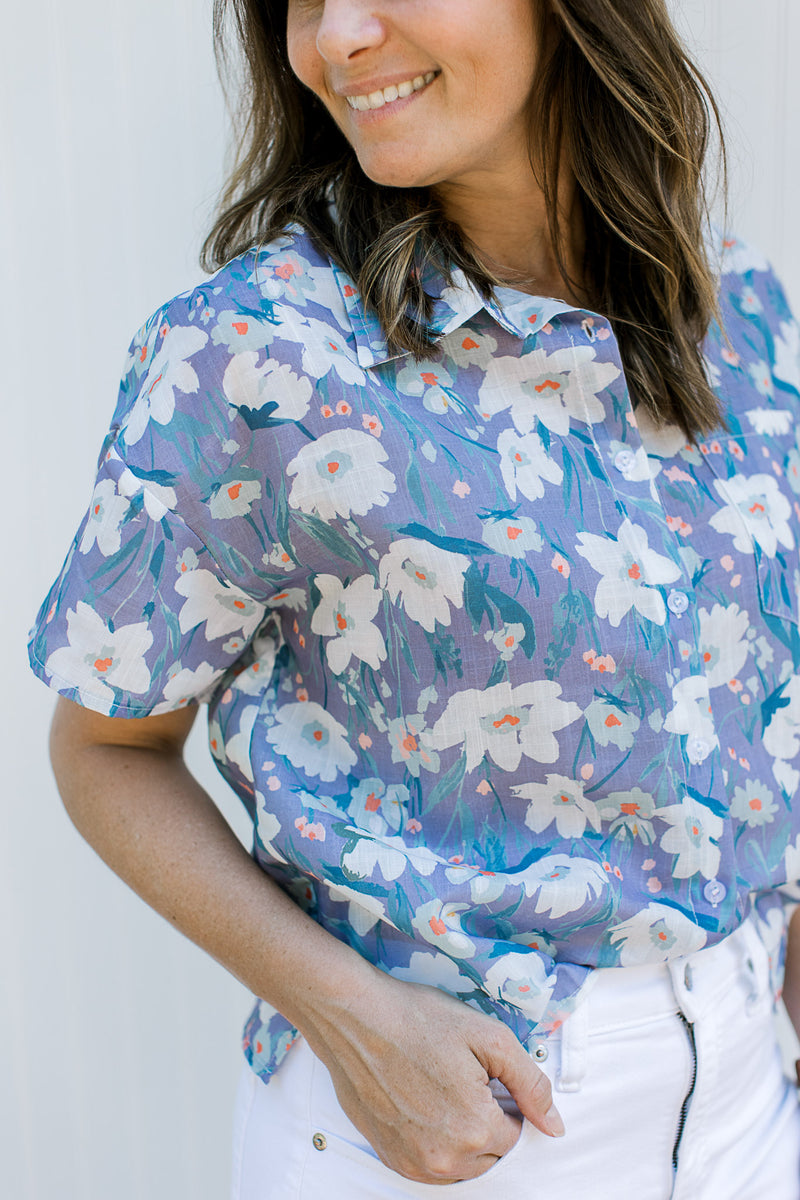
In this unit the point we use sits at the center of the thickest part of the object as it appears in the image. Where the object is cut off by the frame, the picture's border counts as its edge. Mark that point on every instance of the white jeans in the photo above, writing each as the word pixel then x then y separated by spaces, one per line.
pixel 669 1080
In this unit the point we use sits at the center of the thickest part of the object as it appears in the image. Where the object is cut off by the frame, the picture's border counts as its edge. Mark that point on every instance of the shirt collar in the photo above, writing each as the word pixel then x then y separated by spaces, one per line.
pixel 454 305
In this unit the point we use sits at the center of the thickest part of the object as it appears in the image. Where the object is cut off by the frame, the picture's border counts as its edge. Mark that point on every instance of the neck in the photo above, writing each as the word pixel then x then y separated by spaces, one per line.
pixel 506 223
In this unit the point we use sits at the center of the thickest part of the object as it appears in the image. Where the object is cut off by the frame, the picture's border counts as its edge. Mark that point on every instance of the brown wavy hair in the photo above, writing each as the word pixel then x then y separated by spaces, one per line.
pixel 615 98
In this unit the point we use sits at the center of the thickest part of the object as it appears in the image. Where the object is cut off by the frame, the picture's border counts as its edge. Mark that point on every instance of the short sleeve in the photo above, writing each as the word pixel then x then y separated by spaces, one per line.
pixel 142 619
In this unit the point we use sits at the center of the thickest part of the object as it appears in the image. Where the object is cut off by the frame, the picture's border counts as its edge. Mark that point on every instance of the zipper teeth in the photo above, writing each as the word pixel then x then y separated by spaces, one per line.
pixel 685 1106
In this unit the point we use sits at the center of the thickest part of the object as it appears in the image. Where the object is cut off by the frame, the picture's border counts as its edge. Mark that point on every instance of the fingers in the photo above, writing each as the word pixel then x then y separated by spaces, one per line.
pixel 511 1064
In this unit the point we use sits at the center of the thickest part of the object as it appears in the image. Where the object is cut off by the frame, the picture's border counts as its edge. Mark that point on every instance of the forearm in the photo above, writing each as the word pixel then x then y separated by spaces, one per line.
pixel 152 823
pixel 791 981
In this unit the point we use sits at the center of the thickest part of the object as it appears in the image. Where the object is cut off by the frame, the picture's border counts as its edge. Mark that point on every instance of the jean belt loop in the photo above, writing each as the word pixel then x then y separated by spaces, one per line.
pixel 574 1049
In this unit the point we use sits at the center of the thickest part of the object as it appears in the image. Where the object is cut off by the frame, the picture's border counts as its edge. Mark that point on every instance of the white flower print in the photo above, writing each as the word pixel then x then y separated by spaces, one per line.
pixel 344 614
pixel 106 512
pixel 241 332
pixel 424 579
pixel 757 511
pixel 428 380
pixel 468 348
pixel 410 740
pixel 505 723
pixel 561 800
pixel 739 257
pixel 440 924
pixel 630 572
pixel 158 499
pixel 364 911
pixel 168 370
pixel 390 854
pixel 629 813
pixel 781 737
pixel 551 388
pixel 292 598
pixel 723 645
pixel 251 681
pixel 435 969
pixel 273 384
pixel 525 465
pixel 223 607
pixel 312 740
pixel 484 886
pixel 754 803
pixel 325 349
pixel 514 536
pixel 770 422
pixel 506 639
pixel 786 777
pixel 694 830
pixel 691 717
pixel 339 474
pixel 761 376
pixel 234 499
pixel 267 827
pixel 791 859
pixel 787 354
pixel 377 807
pixel 562 883
pixel 611 725
pixel 237 748
pixel 96 660
pixel 656 934
pixel 520 979
pixel 187 684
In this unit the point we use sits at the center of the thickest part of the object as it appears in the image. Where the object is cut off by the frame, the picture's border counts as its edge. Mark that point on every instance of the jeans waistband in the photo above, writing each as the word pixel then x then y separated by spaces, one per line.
pixel 618 996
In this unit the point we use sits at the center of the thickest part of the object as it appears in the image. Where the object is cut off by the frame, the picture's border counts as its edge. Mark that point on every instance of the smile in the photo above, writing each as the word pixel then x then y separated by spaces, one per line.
pixel 389 94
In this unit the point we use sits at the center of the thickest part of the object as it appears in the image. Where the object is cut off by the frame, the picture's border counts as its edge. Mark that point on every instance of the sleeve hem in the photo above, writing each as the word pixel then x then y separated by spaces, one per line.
pixel 83 696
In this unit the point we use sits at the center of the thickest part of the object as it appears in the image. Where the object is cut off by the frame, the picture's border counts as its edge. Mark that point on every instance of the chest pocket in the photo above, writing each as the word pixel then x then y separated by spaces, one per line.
pixel 759 499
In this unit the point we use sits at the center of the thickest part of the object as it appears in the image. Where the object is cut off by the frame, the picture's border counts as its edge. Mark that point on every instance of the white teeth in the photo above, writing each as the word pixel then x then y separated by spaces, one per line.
pixel 387 95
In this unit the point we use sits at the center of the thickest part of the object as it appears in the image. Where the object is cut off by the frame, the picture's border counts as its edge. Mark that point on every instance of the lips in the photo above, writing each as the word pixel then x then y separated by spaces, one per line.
pixel 399 91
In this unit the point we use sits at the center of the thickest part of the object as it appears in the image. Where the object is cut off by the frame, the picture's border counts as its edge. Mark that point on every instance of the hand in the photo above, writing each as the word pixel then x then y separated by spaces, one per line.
pixel 411 1067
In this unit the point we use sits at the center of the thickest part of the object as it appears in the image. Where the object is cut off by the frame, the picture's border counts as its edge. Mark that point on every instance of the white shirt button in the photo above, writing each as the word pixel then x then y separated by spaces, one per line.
pixel 697 749
pixel 541 1053
pixel 624 460
pixel 677 602
pixel 715 892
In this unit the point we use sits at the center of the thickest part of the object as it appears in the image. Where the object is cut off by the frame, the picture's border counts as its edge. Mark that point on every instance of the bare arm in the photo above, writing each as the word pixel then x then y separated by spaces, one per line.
pixel 410 1064
pixel 791 979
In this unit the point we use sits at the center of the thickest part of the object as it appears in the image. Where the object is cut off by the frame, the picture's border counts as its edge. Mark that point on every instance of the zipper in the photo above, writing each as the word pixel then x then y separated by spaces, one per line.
pixel 689 1027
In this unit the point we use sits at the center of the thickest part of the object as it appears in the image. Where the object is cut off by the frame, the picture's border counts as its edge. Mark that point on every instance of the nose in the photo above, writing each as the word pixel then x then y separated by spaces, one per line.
pixel 347 28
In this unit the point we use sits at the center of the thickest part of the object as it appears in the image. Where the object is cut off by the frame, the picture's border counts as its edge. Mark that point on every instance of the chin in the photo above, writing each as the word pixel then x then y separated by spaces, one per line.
pixel 391 172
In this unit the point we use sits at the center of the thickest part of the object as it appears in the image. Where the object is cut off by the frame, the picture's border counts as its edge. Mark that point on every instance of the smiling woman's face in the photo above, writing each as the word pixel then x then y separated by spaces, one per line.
pixel 426 91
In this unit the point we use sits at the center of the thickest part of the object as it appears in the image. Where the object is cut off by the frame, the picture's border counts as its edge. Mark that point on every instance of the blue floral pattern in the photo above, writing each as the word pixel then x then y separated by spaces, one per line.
pixel 507 678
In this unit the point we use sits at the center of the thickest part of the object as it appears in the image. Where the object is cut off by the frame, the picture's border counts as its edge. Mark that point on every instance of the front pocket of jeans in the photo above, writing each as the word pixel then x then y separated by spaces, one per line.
pixel 348 1156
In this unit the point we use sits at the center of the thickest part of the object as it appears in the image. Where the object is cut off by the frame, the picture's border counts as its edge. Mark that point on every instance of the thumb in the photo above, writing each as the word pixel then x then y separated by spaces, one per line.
pixel 531 1090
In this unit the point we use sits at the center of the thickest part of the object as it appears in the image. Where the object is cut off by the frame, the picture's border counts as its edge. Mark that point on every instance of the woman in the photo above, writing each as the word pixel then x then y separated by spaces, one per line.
pixel 494 601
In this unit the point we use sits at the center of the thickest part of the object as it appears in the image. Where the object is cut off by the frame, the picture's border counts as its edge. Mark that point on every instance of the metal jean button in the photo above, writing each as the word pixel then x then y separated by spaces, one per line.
pixel 319 1141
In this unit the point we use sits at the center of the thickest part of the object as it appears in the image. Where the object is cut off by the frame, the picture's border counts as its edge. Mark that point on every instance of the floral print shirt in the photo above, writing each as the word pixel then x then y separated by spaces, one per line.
pixel 507 678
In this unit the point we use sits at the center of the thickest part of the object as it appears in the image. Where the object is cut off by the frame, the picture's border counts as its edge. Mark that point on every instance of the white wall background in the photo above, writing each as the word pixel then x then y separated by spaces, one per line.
pixel 119 1040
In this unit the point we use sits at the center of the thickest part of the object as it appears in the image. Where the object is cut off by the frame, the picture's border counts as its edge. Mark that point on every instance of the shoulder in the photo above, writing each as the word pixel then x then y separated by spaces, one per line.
pixel 749 285
pixel 244 303
pixel 275 300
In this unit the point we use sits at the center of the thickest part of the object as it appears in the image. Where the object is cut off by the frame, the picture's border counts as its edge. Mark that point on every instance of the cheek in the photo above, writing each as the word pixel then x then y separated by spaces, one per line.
pixel 304 59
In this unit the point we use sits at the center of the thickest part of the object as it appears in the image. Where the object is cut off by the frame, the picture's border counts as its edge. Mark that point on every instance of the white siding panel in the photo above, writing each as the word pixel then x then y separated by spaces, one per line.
pixel 120 1052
